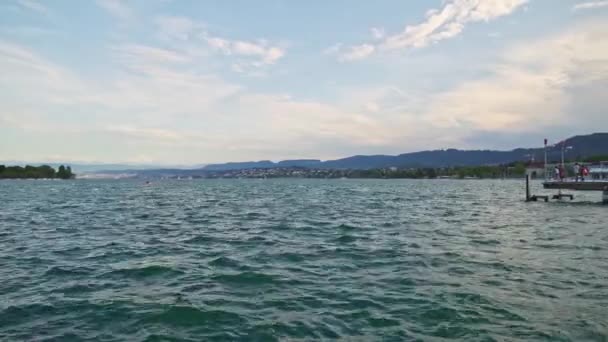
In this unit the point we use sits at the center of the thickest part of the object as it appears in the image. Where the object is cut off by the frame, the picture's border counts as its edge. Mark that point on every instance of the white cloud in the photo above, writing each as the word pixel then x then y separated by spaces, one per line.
pixel 265 53
pixel 357 52
pixel 390 101
pixel 117 8
pixel 170 105
pixel 556 81
pixel 220 44
pixel 159 93
pixel 439 25
pixel 377 32
pixel 146 133
pixel 590 5
pixel 161 104
pixel 537 85
pixel 151 54
pixel 247 48
pixel 21 68
pixel 273 54
pixel 372 107
pixel 34 6
pixel 156 84
pixel 302 121
pixel 450 21
pixel 193 37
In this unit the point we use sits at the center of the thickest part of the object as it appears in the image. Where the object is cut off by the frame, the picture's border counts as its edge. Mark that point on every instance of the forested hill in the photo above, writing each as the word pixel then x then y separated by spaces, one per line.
pixel 35 172
pixel 580 147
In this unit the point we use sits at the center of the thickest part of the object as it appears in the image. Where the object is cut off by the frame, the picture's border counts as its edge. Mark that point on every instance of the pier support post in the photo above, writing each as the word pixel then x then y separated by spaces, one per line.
pixel 605 195
pixel 527 187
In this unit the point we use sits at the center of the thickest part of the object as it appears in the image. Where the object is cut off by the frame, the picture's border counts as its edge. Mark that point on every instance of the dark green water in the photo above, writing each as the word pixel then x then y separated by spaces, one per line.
pixel 299 259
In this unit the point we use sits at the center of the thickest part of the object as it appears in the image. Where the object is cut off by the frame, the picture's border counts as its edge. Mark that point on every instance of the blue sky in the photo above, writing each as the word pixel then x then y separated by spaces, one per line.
pixel 189 82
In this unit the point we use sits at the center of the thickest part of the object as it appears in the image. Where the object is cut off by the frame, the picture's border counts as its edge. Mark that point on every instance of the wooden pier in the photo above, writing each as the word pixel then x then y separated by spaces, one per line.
pixel 597 178
pixel 578 186
pixel 590 185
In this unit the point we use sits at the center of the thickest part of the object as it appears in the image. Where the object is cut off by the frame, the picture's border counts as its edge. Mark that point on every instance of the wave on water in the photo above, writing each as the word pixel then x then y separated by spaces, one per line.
pixel 144 272
pixel 283 260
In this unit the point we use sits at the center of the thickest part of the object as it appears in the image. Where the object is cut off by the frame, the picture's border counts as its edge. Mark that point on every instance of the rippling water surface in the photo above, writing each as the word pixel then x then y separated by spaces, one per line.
pixel 299 259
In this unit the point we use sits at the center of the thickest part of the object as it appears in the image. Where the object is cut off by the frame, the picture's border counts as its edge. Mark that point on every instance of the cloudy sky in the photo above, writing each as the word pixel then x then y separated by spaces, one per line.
pixel 190 82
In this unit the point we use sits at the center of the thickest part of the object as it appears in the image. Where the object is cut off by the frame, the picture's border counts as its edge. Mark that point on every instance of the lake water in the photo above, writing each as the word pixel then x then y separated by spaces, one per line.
pixel 263 260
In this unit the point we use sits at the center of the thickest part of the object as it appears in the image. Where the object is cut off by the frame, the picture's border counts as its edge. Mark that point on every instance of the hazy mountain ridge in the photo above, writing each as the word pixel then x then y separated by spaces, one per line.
pixel 581 146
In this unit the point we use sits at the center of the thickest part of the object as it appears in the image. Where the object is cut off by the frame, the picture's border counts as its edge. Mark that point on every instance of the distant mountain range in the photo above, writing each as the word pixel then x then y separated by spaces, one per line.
pixel 581 146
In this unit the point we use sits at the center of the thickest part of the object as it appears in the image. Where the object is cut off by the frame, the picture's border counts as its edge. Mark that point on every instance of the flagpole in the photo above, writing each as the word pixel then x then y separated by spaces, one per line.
pixel 563 147
pixel 546 172
pixel 562 171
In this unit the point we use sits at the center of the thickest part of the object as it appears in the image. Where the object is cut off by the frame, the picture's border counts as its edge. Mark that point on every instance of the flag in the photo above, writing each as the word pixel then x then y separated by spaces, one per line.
pixel 545 142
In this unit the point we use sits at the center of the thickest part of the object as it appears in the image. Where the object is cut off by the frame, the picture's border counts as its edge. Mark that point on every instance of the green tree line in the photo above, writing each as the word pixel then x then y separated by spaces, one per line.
pixel 35 172
pixel 596 159
pixel 498 171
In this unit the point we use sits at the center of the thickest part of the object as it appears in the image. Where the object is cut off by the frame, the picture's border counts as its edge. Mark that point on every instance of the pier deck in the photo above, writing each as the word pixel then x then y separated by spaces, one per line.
pixel 590 185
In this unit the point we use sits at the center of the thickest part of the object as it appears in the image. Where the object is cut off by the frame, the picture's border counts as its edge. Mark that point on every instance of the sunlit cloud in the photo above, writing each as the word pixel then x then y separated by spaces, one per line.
pixel 262 50
pixel 251 54
pixel 590 5
pixel 440 24
pixel 357 52
pixel 534 85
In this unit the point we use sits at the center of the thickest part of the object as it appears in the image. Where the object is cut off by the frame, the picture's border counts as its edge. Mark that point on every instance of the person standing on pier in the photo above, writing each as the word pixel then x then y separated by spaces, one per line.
pixel 557 172
pixel 584 172
pixel 577 172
